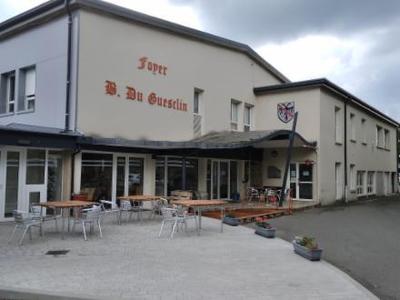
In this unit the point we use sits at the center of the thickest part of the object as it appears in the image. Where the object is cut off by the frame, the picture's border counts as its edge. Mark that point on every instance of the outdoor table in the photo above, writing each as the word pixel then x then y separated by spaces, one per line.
pixel 66 204
pixel 200 205
pixel 139 198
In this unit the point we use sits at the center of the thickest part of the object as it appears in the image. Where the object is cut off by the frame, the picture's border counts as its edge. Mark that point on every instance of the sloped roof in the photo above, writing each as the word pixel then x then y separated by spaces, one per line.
pixel 53 8
pixel 323 82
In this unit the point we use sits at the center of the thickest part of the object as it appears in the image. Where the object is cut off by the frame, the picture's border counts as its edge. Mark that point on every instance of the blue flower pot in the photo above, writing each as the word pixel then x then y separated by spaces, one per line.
pixel 265 232
pixel 310 254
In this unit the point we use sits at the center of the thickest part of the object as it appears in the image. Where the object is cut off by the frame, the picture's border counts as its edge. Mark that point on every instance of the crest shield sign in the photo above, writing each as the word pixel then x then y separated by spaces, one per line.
pixel 285 111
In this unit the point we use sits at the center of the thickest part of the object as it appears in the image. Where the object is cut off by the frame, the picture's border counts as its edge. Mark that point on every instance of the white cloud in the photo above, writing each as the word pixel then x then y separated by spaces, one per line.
pixel 183 14
pixel 313 56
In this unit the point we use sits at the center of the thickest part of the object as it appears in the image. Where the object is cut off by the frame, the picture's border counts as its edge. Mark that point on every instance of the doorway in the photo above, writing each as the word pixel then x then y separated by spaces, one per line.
pixel 222 176
pixel 301 181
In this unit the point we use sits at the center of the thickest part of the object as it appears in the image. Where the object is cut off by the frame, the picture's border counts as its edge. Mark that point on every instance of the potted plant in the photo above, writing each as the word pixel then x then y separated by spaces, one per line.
pixel 264 229
pixel 307 247
pixel 230 219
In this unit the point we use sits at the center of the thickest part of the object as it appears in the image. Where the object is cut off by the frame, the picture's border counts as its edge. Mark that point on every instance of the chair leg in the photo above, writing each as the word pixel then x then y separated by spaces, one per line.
pixel 23 235
pixel 173 229
pixel 56 223
pixel 185 223
pixel 12 234
pixel 84 230
pixel 30 232
pixel 101 233
pixel 161 229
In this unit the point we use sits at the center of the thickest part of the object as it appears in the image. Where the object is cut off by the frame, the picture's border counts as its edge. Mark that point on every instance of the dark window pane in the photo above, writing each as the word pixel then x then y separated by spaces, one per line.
pixel 54 176
pixel 160 176
pixel 36 161
pixel 191 174
pixel 233 177
pixel 11 183
pixel 135 179
pixel 96 175
pixel 305 190
pixel 305 172
pixel 120 176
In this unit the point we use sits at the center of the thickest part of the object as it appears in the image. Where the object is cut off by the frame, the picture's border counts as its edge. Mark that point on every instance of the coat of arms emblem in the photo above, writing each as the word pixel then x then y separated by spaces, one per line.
pixel 286 111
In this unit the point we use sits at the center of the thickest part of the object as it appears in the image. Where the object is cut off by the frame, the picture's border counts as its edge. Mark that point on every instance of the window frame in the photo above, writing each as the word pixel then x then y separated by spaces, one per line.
pixel 8 101
pixel 338 126
pixel 248 111
pixel 234 123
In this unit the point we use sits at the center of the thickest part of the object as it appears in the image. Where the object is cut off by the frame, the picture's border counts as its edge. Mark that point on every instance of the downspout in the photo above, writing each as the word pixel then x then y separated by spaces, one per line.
pixel 345 150
pixel 68 83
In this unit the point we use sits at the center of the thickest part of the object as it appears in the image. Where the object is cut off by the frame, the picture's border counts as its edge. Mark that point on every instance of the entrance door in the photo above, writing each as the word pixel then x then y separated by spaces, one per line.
pixel 221 180
pixel 35 188
pixel 301 181
pixel 129 175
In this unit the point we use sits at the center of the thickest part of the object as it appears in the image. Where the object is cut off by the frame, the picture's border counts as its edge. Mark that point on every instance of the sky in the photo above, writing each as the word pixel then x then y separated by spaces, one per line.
pixel 354 43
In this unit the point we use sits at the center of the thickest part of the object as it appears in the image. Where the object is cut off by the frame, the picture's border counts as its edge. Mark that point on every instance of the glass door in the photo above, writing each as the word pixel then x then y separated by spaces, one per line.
pixel 12 182
pixel 129 175
pixel 54 176
pixel 35 188
pixel 220 179
pixel 301 181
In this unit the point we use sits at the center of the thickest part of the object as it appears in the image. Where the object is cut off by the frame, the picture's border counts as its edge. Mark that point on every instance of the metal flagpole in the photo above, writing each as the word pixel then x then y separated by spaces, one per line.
pixel 288 159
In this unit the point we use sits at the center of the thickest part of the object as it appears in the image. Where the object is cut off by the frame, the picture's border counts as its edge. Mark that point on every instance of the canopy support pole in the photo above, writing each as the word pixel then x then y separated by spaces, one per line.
pixel 288 159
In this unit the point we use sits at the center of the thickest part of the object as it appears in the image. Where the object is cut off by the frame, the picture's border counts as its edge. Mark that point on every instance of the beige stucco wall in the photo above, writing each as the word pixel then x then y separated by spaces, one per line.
pixel 316 122
pixel 109 49
pixel 306 103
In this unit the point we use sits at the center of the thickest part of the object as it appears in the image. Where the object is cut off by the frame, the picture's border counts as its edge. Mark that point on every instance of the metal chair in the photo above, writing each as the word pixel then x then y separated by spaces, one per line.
pixel 127 207
pixel 113 209
pixel 272 197
pixel 89 216
pixel 25 221
pixel 174 218
pixel 156 207
pixel 36 211
pixel 252 194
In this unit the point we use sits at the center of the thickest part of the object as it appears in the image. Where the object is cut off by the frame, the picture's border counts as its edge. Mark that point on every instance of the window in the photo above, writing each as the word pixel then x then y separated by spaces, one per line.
pixel 197 120
pixel 10 92
pixel 36 162
pixel 370 182
pixel 352 127
pixel 30 88
pixel 379 136
pixel 360 182
pixel 338 126
pixel 386 134
pixel 353 177
pixel 96 175
pixel 247 118
pixel 234 114
pixel 364 131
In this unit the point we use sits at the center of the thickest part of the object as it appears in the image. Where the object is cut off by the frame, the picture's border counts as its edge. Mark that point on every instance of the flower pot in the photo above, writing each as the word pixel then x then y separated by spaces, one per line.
pixel 231 221
pixel 265 232
pixel 310 254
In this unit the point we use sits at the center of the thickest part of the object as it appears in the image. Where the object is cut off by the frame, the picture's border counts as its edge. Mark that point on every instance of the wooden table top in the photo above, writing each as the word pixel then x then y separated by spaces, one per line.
pixel 139 198
pixel 66 204
pixel 193 203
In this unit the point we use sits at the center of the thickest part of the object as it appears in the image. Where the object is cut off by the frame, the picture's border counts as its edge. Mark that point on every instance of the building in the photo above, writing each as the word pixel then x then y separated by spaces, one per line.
pixel 99 99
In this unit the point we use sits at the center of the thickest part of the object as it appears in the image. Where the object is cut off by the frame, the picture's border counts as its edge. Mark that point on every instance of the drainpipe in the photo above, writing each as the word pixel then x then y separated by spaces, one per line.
pixel 345 150
pixel 68 83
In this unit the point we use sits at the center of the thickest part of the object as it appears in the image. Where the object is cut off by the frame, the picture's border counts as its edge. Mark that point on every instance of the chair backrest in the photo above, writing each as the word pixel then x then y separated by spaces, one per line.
pixel 36 210
pixel 93 212
pixel 125 205
pixel 108 202
pixel 21 217
pixel 168 213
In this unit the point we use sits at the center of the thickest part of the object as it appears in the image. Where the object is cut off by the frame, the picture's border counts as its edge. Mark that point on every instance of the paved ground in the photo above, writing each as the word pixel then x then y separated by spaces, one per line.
pixel 130 262
pixel 362 239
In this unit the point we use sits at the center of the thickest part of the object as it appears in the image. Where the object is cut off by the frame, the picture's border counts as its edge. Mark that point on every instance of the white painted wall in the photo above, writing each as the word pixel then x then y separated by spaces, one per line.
pixel 45 47
pixel 110 50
